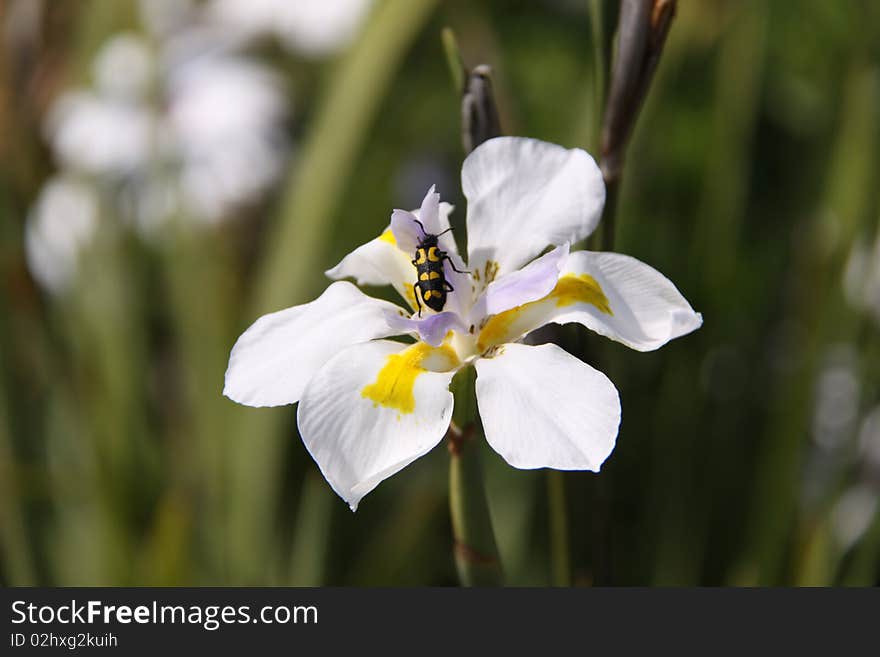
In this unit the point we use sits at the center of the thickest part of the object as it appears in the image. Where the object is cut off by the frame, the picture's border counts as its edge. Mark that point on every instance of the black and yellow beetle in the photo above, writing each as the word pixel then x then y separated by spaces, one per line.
pixel 428 261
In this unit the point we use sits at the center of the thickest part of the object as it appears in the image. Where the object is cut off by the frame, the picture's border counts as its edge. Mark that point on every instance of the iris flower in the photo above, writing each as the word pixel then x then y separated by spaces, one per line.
pixel 369 406
pixel 314 28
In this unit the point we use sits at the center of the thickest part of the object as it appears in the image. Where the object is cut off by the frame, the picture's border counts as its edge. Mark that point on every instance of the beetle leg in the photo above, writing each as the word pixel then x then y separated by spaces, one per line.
pixel 445 256
pixel 417 289
pixel 448 285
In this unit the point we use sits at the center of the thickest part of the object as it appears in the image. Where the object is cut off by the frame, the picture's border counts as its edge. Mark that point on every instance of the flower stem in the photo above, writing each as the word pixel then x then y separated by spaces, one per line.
pixel 453 58
pixel 476 553
pixel 609 214
pixel 642 30
pixel 559 540
pixel 14 543
pixel 603 21
pixel 474 546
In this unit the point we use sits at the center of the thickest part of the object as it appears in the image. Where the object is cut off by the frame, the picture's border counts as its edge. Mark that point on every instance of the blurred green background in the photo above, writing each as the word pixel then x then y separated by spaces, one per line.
pixel 749 451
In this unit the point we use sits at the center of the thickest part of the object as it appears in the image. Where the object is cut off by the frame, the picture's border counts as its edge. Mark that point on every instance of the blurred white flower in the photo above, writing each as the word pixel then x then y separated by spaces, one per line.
pixel 224 120
pixel 853 513
pixel 180 125
pixel 109 131
pixel 315 28
pixel 192 118
pixel 861 279
pixel 60 225
pixel 100 136
pixel 837 397
pixel 163 18
pixel 869 441
pixel 124 68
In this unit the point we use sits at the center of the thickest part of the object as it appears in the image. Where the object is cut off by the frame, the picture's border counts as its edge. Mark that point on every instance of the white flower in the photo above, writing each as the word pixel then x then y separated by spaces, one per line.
pixel 60 225
pixel 224 122
pixel 315 28
pixel 194 121
pixel 369 406
pixel 108 131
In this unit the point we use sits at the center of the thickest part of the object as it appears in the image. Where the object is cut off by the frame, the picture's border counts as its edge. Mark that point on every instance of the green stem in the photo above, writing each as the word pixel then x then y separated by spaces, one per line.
pixel 603 21
pixel 559 539
pixel 15 549
pixel 198 293
pixel 453 58
pixel 863 567
pixel 311 536
pixel 476 552
pixel 603 238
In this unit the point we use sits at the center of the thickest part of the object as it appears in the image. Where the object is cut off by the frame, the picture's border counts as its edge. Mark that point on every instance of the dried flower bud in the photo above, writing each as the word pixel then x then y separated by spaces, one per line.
pixel 642 31
pixel 479 114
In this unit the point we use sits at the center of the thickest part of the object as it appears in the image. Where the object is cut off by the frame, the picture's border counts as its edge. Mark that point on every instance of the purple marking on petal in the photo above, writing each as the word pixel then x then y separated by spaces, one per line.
pixel 532 282
pixel 431 329
pixel 406 230
pixel 429 213
pixel 405 225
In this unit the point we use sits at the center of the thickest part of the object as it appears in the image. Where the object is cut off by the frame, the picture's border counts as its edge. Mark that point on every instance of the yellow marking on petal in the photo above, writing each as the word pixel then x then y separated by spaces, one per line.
pixel 580 288
pixel 432 276
pixel 393 387
pixel 424 276
pixel 432 254
pixel 570 289
pixel 490 271
pixel 388 236
pixel 500 326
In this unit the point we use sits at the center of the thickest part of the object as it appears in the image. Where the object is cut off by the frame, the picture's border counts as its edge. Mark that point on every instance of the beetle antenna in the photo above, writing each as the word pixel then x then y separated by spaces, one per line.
pixel 422 226
pixel 444 232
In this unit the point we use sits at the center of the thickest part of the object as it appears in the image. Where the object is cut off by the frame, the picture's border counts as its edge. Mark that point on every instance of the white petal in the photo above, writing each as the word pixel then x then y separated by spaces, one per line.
pixel 273 360
pixel 534 281
pixel 615 295
pixel 410 228
pixel 406 230
pixel 543 408
pixel 447 239
pixel 646 309
pixel 524 195
pixel 381 261
pixel 373 409
pixel 429 211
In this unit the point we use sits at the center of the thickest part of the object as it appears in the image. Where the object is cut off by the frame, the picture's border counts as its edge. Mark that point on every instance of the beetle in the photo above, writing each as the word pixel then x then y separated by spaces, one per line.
pixel 428 261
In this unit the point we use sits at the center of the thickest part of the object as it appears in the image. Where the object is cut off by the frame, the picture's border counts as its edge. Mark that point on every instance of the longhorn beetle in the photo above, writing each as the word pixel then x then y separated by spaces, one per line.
pixel 428 261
